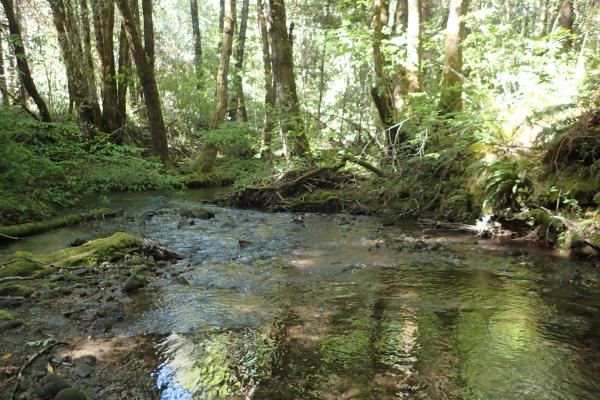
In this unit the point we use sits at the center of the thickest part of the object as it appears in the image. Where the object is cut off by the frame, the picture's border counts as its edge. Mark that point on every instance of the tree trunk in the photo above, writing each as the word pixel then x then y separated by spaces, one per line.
pixel 400 16
pixel 145 70
pixel 124 73
pixel 285 79
pixel 238 88
pixel 381 92
pixel 267 131
pixel 451 100
pixel 197 44
pixel 565 20
pixel 148 30
pixel 322 57
pixel 104 24
pixel 413 47
pixel 3 86
pixel 23 96
pixel 22 64
pixel 87 52
pixel 80 79
pixel 209 153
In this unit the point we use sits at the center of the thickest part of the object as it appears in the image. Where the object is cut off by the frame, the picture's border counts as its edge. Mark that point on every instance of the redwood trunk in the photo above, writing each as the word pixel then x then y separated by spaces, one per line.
pixel 22 64
pixel 3 86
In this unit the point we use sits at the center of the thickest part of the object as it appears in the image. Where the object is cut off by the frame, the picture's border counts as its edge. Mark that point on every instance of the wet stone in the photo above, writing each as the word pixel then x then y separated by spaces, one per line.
pixel 80 272
pixel 6 325
pixel 134 260
pixel 133 284
pixel 112 310
pixel 70 394
pixel 515 252
pixel 56 278
pixel 51 385
pixel 15 301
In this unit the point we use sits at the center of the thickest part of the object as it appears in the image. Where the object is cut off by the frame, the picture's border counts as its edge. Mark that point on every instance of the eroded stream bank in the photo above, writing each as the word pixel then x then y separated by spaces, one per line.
pixel 283 306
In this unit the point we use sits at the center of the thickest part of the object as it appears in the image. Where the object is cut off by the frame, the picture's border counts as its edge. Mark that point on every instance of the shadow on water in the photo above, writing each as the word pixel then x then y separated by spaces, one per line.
pixel 334 307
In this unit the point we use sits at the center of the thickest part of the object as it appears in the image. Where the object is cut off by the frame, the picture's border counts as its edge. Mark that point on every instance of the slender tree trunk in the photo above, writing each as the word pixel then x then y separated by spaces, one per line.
pixel 267 131
pixel 545 4
pixel 104 25
pixel 413 46
pixel 238 88
pixel 22 90
pixel 148 30
pixel 124 73
pixel 82 86
pixel 381 92
pixel 87 51
pixel 3 86
pixel 21 57
pixel 451 100
pixel 285 78
pixel 145 70
pixel 400 17
pixel 197 44
pixel 322 70
pixel 209 153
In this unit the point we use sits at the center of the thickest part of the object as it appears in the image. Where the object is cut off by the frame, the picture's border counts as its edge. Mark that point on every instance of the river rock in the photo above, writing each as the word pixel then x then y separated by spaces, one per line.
pixel 80 272
pixel 84 366
pixel 56 278
pixel 134 260
pixel 198 213
pixel 111 310
pixel 9 301
pixel 51 385
pixel 140 268
pixel 133 284
pixel 6 325
pixel 513 252
pixel 70 394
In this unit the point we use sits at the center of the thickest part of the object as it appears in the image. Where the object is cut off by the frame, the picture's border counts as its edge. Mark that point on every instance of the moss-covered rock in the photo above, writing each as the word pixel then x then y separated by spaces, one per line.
pixel 89 254
pixel 16 290
pixel 33 228
pixel 7 315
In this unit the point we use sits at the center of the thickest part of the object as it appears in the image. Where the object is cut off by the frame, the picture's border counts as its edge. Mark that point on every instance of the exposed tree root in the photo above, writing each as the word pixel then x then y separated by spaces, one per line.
pixel 293 183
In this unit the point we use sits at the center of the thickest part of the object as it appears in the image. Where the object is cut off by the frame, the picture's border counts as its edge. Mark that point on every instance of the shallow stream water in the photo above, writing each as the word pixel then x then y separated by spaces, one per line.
pixel 341 307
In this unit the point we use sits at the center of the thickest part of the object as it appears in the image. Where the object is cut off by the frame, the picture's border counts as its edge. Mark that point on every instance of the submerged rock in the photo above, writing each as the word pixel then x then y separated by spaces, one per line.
pixel 70 394
pixel 513 252
pixel 199 213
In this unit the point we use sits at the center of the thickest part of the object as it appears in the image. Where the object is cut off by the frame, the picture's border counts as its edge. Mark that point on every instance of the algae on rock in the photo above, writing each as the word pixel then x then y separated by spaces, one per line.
pixel 89 254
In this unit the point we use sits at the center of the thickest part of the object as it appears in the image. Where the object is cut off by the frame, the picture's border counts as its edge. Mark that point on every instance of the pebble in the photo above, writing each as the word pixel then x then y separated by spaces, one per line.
pixel 52 384
pixel 6 325
pixel 11 301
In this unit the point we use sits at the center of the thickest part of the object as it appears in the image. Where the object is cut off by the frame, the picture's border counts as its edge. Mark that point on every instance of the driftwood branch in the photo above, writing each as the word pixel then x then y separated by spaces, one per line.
pixel 8 237
pixel 571 225
pixel 451 226
pixel 31 360
pixel 16 278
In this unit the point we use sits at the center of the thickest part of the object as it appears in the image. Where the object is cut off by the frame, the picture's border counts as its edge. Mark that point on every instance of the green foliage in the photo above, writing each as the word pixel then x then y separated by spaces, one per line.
pixel 47 166
pixel 233 139
pixel 507 185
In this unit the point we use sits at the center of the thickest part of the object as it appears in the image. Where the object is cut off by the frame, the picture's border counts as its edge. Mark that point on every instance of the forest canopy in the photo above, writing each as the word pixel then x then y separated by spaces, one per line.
pixel 465 108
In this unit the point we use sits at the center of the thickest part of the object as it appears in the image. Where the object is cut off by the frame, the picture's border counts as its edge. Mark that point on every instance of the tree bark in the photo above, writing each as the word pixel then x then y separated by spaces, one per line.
pixel 451 100
pixel 413 47
pixel 124 73
pixel 285 78
pixel 80 79
pixel 210 150
pixel 197 36
pixel 238 88
pixel 400 16
pixel 87 51
pixel 269 92
pixel 21 58
pixel 3 86
pixel 145 70
pixel 565 20
pixel 148 30
pixel 104 25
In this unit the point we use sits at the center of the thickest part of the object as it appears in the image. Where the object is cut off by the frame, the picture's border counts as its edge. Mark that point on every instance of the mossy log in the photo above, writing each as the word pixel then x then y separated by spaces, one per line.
pixel 13 232
pixel 92 253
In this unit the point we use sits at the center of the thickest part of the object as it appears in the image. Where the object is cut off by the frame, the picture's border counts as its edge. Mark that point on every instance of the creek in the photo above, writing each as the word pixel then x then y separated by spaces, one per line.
pixel 315 306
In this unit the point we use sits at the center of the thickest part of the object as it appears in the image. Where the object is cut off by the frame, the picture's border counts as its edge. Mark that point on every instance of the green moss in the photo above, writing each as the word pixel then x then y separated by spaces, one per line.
pixel 319 200
pixel 7 315
pixel 33 228
pixel 196 180
pixel 16 290
pixel 140 269
pixel 89 254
